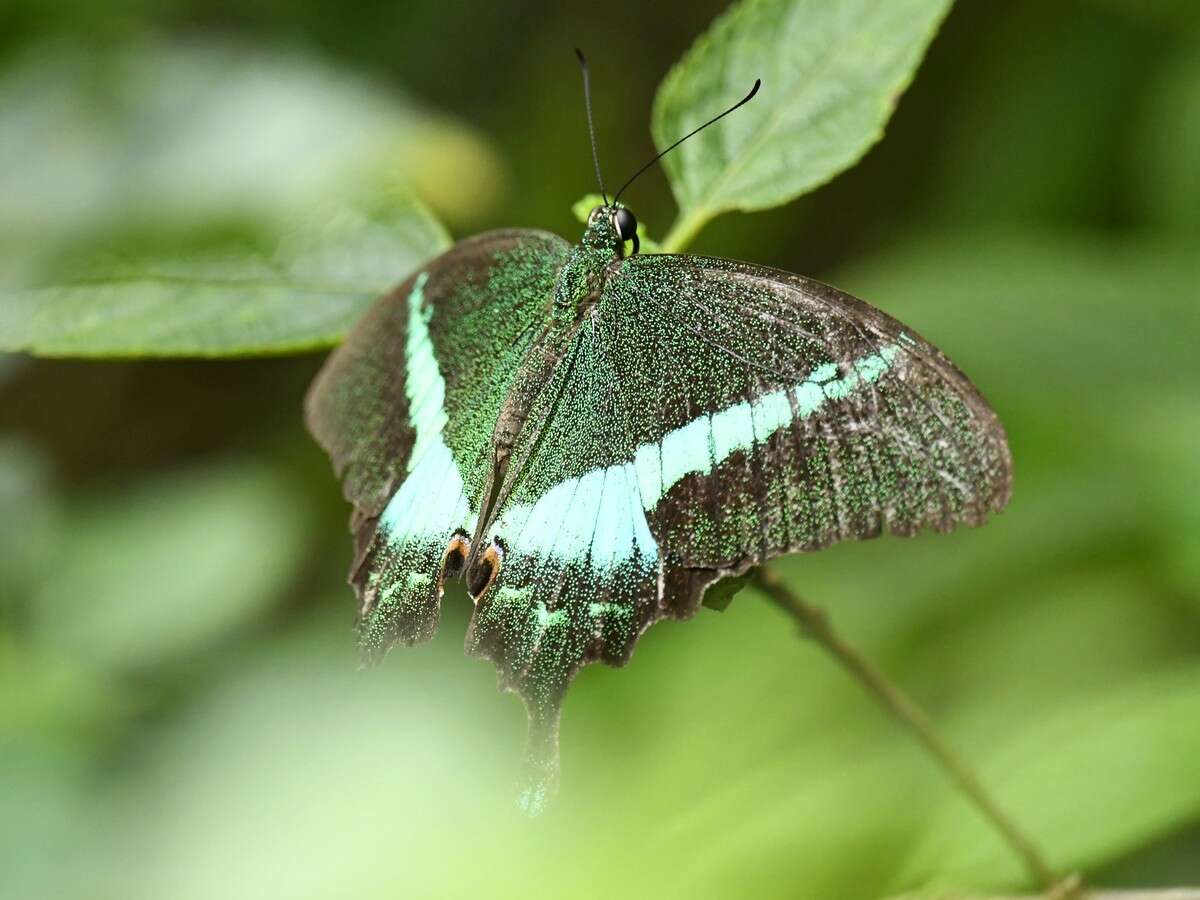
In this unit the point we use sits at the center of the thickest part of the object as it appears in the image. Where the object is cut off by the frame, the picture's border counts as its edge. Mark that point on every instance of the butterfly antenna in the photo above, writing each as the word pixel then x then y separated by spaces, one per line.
pixel 587 104
pixel 742 102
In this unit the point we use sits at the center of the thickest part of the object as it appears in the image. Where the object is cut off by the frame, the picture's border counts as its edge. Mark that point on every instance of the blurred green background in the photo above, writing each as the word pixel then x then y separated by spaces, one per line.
pixel 180 711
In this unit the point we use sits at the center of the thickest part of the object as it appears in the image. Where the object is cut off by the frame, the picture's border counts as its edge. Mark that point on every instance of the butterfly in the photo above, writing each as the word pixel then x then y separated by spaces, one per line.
pixel 591 438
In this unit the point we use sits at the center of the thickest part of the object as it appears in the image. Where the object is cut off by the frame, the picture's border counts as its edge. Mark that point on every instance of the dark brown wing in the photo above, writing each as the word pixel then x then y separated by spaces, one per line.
pixel 406 406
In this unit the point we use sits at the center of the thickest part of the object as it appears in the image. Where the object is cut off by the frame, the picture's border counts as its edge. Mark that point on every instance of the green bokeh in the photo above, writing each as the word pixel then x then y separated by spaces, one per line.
pixel 180 714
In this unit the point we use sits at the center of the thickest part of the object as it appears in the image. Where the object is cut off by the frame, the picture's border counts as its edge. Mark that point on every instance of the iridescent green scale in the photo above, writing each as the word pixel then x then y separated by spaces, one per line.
pixel 592 440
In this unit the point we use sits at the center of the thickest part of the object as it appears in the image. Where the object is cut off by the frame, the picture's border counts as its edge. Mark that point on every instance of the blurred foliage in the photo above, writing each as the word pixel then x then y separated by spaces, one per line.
pixel 244 524
pixel 171 134
pixel 1169 145
pixel 161 220
pixel 179 710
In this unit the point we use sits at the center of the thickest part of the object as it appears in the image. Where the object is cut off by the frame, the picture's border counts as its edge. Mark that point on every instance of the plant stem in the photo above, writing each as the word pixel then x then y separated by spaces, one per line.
pixel 684 231
pixel 815 625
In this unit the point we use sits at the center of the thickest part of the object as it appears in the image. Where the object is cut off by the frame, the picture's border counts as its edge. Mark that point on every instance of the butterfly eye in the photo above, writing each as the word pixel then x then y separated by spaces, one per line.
pixel 625 223
pixel 483 574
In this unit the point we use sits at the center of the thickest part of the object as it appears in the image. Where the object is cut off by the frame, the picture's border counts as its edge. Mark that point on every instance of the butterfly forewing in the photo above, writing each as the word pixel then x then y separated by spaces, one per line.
pixel 769 413
pixel 405 408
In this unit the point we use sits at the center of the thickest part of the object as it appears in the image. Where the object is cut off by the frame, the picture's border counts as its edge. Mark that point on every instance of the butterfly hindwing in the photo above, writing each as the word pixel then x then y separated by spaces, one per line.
pixel 405 408
pixel 578 580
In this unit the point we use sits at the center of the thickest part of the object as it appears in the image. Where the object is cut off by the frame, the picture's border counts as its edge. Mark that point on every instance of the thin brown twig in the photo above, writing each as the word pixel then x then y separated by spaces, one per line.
pixel 815 625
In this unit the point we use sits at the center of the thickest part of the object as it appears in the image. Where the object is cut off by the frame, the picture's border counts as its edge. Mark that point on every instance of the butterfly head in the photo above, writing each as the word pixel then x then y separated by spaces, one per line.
pixel 610 227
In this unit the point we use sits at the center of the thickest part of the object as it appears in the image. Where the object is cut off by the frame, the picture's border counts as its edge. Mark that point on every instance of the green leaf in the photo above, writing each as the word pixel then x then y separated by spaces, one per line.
pixel 303 295
pixel 831 70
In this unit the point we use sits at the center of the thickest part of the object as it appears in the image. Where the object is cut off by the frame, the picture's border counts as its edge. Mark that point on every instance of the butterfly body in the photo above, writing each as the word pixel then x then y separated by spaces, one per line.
pixel 591 440
pixel 577 290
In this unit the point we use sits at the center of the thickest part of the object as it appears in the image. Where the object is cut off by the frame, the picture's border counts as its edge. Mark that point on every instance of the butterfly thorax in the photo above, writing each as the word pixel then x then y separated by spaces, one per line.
pixel 588 266
pixel 601 233
pixel 577 290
